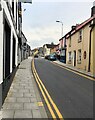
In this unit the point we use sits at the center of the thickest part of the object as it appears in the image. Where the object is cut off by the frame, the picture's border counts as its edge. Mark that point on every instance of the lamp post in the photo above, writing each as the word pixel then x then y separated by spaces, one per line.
pixel 62 26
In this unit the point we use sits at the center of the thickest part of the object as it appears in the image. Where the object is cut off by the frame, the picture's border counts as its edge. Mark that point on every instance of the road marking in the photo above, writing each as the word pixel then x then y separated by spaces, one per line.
pixel 46 100
pixel 73 71
pixel 40 104
pixel 49 97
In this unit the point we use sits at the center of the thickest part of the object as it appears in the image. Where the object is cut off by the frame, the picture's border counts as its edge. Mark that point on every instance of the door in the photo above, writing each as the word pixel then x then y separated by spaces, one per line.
pixel 74 58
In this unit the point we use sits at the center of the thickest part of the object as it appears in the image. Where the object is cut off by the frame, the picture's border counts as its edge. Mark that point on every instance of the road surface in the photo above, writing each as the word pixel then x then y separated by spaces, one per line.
pixel 72 93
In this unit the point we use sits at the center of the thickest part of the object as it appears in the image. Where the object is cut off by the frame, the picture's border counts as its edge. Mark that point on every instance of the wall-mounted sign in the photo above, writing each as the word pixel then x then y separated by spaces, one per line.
pixel 25 1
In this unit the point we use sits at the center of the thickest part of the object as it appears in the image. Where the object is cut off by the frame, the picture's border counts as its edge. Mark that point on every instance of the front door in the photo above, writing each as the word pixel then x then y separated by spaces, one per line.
pixel 74 58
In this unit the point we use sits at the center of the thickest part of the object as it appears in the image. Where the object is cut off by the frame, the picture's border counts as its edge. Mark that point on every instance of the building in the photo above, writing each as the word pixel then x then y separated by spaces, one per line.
pixel 80 45
pixel 10 43
pixel 40 51
pixel 62 49
pixel 48 49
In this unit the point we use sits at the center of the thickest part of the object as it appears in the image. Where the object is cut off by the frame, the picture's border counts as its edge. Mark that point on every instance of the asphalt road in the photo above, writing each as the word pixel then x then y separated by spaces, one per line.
pixel 72 93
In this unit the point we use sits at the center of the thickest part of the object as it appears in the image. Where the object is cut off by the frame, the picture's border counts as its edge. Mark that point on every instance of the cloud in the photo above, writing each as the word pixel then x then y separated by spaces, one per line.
pixel 39 36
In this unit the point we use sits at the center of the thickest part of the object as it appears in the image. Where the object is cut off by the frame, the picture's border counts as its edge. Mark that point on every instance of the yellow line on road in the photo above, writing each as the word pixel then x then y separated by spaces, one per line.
pixel 73 71
pixel 46 100
pixel 49 97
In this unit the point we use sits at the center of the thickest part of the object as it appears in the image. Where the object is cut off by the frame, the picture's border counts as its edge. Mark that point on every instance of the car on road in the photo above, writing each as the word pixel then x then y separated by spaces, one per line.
pixel 51 57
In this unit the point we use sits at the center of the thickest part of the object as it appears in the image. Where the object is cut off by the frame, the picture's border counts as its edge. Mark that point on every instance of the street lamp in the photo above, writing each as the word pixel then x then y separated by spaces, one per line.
pixel 62 26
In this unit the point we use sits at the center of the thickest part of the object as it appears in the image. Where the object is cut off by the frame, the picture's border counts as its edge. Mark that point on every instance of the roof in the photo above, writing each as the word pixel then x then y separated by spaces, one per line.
pixel 78 27
pixel 50 45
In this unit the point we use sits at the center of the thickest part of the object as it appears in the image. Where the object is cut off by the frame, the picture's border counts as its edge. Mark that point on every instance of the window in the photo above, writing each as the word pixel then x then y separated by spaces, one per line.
pixel 70 42
pixel 69 56
pixel 80 36
pixel 79 55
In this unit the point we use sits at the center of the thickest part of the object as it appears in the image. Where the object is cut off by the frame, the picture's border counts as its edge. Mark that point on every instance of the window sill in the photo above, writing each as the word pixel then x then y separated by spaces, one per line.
pixel 79 62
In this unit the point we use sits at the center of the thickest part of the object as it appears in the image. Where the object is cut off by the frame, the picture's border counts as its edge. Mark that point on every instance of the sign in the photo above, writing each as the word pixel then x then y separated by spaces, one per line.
pixel 25 1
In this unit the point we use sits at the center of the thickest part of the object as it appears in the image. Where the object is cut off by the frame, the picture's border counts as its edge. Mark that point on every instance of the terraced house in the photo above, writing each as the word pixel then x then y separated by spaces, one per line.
pixel 10 43
pixel 80 45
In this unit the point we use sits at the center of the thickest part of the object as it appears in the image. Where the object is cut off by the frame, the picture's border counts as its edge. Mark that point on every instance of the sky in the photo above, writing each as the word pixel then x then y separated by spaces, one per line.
pixel 39 19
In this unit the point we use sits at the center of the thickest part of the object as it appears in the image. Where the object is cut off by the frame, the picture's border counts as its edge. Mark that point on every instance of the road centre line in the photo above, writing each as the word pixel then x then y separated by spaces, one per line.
pixel 73 71
pixel 49 97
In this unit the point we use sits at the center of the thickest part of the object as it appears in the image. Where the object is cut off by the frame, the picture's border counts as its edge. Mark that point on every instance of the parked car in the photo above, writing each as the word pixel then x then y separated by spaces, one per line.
pixel 52 57
pixel 63 59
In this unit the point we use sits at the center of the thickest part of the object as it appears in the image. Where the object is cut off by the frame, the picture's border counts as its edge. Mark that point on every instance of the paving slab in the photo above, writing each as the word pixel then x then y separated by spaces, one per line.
pixel 23 114
pixel 8 113
pixel 23 96
pixel 27 100
pixel 31 106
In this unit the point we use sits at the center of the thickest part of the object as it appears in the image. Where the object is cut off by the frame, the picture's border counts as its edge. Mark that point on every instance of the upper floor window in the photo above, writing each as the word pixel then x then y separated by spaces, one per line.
pixel 69 56
pixel 70 42
pixel 80 36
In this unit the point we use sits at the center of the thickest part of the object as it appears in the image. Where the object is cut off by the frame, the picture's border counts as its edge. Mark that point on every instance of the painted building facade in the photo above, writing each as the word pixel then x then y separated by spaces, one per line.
pixel 62 49
pixel 80 45
pixel 10 43
pixel 48 49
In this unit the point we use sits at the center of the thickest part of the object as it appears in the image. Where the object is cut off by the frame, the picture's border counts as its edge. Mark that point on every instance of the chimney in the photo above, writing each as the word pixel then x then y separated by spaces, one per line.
pixel 73 27
pixel 93 9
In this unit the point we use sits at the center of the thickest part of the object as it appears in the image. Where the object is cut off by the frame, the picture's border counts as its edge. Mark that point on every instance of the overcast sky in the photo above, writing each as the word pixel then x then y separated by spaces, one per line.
pixel 39 19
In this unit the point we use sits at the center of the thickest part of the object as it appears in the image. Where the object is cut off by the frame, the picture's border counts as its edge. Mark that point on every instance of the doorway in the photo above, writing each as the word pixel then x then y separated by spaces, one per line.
pixel 13 55
pixel 74 58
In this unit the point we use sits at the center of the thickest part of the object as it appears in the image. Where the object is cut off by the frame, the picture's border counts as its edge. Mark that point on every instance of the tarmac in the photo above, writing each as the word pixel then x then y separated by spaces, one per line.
pixel 75 69
pixel 23 99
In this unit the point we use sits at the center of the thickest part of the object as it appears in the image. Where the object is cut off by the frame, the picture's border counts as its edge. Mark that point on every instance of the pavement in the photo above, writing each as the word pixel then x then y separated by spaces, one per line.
pixel 23 99
pixel 75 69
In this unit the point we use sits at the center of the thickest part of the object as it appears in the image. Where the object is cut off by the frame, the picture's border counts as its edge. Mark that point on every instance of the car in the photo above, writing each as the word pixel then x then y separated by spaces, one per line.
pixel 52 57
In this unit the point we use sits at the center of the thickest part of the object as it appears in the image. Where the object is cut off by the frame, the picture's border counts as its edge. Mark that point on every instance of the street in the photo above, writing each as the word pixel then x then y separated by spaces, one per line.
pixel 72 93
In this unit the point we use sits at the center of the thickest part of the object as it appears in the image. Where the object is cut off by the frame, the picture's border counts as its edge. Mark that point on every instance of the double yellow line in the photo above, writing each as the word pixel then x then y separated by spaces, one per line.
pixel 46 95
pixel 83 75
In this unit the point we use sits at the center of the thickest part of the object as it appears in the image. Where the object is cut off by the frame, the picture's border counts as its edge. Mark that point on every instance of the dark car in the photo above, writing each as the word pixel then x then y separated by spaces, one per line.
pixel 52 57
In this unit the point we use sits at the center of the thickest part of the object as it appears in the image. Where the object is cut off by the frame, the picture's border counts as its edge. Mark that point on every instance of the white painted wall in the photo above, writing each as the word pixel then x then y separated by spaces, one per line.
pixel 1 47
pixel 13 32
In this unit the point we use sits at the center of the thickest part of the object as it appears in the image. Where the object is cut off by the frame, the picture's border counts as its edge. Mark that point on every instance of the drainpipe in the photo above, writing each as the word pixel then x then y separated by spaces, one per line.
pixel 89 59
pixel 92 26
